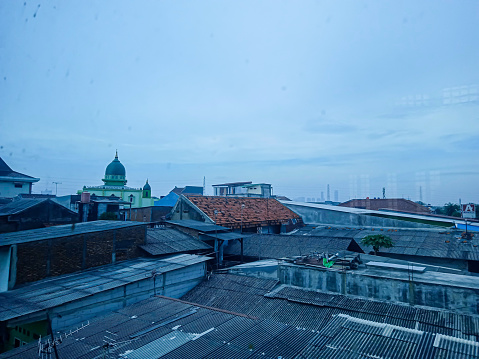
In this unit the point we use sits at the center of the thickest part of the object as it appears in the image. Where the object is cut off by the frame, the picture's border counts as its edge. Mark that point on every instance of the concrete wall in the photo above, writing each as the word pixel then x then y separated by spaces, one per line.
pixel 5 254
pixel 452 297
pixel 312 215
pixel 8 189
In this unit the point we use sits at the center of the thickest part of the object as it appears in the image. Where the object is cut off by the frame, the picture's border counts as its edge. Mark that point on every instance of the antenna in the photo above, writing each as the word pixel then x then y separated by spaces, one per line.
pixel 46 349
pixel 56 186
pixel 204 185
pixel 384 192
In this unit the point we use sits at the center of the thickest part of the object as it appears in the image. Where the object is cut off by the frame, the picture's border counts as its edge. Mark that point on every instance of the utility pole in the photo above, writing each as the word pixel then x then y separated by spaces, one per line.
pixel 56 186
pixel 384 192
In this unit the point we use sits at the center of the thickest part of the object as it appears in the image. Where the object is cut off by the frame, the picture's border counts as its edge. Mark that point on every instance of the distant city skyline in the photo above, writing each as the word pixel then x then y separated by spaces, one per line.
pixel 357 95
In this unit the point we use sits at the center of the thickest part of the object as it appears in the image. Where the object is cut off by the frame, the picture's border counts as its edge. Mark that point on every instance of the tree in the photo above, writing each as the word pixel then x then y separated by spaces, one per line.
pixel 377 241
pixel 452 209
pixel 108 216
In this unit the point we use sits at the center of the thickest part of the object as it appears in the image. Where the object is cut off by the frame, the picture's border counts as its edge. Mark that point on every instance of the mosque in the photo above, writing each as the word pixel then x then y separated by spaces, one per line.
pixel 115 184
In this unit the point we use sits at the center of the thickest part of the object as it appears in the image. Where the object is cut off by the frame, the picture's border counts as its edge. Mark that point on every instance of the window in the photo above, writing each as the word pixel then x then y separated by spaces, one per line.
pixel 17 343
pixel 18 185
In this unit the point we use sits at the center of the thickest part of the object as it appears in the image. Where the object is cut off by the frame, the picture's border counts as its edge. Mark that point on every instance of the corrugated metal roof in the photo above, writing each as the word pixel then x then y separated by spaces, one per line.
pixel 63 231
pixel 160 241
pixel 420 242
pixel 206 333
pixel 199 226
pixel 20 205
pixel 312 308
pixel 51 292
pixel 279 246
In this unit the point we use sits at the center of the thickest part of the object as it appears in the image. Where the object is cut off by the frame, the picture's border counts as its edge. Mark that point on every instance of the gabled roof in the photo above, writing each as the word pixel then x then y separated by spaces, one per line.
pixel 188 190
pixel 6 171
pixel 230 212
pixel 161 241
pixel 21 205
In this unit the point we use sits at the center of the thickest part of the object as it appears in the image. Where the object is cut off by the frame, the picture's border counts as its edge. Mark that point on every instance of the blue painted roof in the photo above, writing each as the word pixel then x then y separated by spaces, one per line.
pixel 168 201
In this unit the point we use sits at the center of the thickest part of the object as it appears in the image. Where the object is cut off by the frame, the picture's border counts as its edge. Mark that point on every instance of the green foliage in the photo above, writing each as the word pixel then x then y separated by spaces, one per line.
pixel 377 241
pixel 110 216
pixel 449 209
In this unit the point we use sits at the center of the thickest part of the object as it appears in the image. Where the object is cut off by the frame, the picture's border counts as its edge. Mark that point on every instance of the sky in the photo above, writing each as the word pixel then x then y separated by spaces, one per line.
pixel 360 95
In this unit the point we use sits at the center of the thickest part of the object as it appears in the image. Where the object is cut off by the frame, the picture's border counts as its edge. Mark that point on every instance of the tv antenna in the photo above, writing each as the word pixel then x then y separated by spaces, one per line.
pixel 46 349
pixel 56 186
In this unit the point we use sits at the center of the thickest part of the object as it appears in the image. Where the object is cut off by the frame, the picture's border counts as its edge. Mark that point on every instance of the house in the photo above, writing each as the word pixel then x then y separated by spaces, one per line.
pixel 29 256
pixel 13 183
pixel 60 303
pixel 93 208
pixel 242 214
pixel 32 213
pixel 243 189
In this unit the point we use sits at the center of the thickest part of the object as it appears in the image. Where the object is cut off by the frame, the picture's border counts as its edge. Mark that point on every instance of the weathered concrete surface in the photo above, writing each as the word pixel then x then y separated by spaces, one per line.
pixel 326 214
pixel 432 289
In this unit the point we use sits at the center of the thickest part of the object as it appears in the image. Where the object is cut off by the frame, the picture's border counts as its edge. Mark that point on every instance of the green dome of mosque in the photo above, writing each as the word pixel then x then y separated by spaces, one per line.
pixel 147 186
pixel 115 168
pixel 115 173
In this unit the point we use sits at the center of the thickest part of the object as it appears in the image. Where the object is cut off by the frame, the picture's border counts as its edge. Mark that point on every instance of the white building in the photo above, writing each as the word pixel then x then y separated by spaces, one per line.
pixel 14 183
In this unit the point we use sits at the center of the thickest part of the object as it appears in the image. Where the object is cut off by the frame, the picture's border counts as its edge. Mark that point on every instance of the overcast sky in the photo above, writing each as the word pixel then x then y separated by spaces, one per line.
pixel 360 95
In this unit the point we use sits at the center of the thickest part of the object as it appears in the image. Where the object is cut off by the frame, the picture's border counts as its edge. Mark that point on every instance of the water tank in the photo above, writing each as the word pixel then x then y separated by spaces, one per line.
pixel 85 197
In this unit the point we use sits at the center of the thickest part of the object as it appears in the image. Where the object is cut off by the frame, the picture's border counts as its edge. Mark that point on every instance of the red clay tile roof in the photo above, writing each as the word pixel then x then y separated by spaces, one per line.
pixel 255 211
pixel 399 204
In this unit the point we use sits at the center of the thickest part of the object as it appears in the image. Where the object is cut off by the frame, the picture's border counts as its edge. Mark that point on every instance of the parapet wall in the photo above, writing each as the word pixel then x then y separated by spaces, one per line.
pixel 414 292
pixel 312 215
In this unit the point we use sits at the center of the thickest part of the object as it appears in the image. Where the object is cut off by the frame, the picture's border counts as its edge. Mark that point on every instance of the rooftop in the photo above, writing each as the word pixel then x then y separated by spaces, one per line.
pixel 6 171
pixel 231 184
pixel 250 318
pixel 279 246
pixel 20 205
pixel 52 292
pixel 63 231
pixel 399 204
pixel 198 226
pixel 232 211
pixel 442 243
pixel 313 309
pixel 161 241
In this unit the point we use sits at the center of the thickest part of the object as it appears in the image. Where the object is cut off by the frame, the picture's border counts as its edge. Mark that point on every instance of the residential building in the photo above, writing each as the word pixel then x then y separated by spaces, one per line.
pixel 24 214
pixel 242 214
pixel 13 183
pixel 243 189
